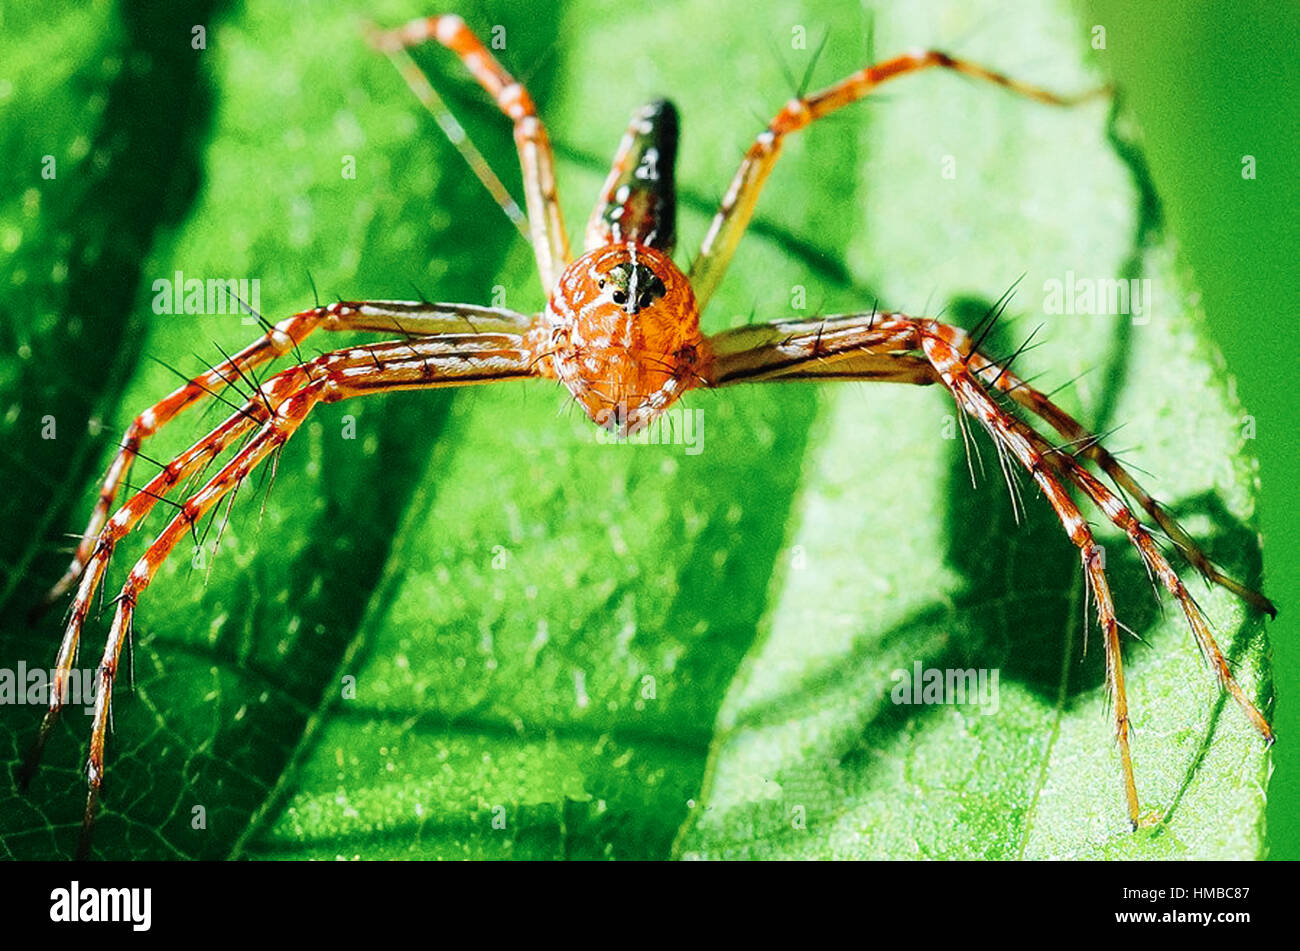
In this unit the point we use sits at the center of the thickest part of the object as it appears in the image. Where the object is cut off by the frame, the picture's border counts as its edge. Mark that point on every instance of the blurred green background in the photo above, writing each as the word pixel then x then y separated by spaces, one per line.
pixel 1211 81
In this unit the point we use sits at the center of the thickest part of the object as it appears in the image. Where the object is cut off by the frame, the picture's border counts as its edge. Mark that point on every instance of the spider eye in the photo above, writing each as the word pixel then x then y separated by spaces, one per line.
pixel 601 285
pixel 620 297
pixel 644 300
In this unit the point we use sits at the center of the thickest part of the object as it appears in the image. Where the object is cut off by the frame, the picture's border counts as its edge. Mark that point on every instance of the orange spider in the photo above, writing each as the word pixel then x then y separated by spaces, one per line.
pixel 621 332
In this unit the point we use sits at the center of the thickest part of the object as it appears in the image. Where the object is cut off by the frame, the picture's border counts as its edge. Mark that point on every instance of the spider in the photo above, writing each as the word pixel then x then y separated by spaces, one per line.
pixel 621 333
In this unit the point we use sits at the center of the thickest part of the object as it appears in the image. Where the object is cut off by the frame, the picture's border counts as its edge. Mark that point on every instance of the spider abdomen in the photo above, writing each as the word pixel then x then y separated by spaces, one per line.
pixel 639 200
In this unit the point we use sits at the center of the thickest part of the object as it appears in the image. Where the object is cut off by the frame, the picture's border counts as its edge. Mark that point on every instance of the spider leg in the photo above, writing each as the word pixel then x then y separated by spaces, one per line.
pixel 1157 565
pixel 861 346
pixel 102 544
pixel 1089 446
pixel 550 242
pixel 288 415
pixel 416 363
pixel 1016 437
pixel 253 413
pixel 284 337
pixel 855 346
pixel 1113 507
pixel 448 360
pixel 738 204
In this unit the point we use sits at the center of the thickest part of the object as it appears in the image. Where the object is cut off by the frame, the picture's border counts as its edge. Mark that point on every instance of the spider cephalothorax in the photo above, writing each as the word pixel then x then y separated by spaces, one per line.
pixel 623 334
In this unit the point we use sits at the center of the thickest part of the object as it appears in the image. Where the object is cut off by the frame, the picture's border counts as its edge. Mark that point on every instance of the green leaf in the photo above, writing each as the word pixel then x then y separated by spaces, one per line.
pixel 477 630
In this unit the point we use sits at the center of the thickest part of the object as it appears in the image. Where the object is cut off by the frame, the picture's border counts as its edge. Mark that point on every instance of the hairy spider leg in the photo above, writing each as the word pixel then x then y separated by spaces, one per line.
pixel 862 346
pixel 780 350
pixel 1014 435
pixel 416 319
pixel 857 346
pixel 738 203
pixel 1086 444
pixel 278 340
pixel 428 97
pixel 420 363
pixel 546 224
pixel 1119 514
